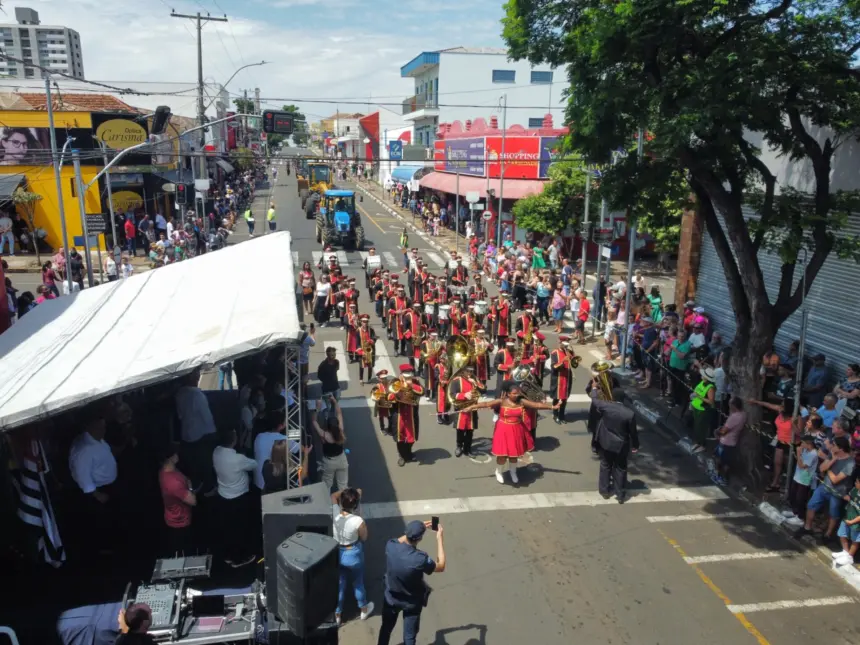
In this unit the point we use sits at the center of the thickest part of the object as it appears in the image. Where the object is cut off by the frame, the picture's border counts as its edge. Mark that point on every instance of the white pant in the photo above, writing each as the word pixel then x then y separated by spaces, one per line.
pixel 335 469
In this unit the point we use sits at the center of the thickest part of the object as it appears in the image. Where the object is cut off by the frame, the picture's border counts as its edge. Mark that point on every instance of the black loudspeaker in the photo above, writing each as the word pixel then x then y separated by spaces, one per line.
pixel 307 575
pixel 307 509
pixel 326 634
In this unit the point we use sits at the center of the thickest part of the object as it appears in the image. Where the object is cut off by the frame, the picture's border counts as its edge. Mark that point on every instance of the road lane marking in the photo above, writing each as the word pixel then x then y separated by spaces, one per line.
pixel 390 260
pixel 741 618
pixel 696 517
pixel 438 261
pixel 729 557
pixel 790 604
pixel 367 215
pixel 342 260
pixel 448 506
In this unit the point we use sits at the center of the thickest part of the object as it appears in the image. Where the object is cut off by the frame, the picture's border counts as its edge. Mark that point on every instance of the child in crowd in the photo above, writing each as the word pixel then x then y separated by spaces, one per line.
pixel 805 477
pixel 849 529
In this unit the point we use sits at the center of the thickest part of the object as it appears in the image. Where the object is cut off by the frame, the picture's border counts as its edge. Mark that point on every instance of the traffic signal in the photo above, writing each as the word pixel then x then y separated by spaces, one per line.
pixel 181 194
pixel 278 122
pixel 160 119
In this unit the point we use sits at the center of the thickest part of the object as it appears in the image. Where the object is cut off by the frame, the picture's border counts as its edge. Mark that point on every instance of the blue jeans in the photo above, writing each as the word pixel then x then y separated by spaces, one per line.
pixel 352 566
pixel 225 377
pixel 8 236
pixel 824 497
pixel 411 624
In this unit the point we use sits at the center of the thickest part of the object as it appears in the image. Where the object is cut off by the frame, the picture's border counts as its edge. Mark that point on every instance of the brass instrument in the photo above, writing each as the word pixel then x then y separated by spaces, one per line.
pixel 403 392
pixel 380 393
pixel 574 359
pixel 600 371
pixel 460 354
pixel 368 348
pixel 433 349
pixel 524 379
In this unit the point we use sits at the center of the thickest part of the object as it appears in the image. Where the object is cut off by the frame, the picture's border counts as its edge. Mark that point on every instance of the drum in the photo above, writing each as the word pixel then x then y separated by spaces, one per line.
pixel 444 312
pixel 482 307
pixel 429 308
pixel 452 264
pixel 373 262
pixel 458 290
pixel 331 257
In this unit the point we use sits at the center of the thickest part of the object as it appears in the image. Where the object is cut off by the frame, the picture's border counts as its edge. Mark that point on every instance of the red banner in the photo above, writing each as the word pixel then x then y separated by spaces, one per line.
pixel 522 157
pixel 439 155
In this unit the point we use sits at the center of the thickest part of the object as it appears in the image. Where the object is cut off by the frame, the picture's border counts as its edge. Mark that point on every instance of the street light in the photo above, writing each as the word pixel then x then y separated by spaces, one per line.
pixel 224 85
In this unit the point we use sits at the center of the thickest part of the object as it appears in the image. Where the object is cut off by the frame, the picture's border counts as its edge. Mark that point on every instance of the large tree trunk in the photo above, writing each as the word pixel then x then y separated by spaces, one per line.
pixel 745 376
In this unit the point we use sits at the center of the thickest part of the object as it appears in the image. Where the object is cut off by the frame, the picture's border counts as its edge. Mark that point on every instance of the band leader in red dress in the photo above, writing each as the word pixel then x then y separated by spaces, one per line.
pixel 511 437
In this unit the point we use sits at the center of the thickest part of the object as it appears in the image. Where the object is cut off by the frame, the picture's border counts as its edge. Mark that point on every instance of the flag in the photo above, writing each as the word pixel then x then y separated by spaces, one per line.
pixel 34 504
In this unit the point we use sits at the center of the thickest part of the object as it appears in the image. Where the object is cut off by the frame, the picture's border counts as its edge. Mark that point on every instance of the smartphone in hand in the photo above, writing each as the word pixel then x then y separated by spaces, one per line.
pixel 434 523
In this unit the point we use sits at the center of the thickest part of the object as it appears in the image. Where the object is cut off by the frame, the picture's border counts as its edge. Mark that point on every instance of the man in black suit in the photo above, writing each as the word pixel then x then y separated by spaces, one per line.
pixel 592 411
pixel 616 436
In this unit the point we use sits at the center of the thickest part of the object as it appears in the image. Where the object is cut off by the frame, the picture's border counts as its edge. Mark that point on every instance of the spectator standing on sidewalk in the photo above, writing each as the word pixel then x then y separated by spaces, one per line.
pixel 729 435
pixel 836 472
pixel 805 477
pixel 849 529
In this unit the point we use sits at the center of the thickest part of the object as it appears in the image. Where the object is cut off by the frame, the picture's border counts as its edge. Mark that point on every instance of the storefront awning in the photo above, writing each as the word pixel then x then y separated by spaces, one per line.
pixel 71 351
pixel 514 188
pixel 405 174
pixel 225 166
pixel 8 184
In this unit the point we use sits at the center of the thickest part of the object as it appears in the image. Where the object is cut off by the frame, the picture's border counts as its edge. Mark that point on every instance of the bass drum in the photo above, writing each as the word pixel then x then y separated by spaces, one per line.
pixel 444 312
pixel 482 307
pixel 429 308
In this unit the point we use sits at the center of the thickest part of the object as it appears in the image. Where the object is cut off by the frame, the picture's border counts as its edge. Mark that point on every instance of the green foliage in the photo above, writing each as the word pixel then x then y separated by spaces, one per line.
pixel 26 201
pixel 714 83
pixel 560 205
pixel 244 106
pixel 242 158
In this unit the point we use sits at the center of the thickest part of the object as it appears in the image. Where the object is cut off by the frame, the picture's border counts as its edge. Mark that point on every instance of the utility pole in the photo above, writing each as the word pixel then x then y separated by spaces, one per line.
pixel 257 100
pixel 79 185
pixel 201 107
pixel 55 158
pixel 502 166
pixel 640 150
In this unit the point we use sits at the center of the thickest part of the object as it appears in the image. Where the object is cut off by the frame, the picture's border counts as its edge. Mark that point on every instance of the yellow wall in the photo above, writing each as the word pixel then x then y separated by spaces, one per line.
pixel 40 179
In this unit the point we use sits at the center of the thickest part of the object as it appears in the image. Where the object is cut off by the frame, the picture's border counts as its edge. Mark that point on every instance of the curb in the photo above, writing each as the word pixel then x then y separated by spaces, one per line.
pixel 654 420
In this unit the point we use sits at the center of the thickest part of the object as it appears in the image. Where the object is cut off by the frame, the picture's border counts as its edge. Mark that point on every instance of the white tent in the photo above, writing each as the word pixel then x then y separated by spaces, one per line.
pixel 148 328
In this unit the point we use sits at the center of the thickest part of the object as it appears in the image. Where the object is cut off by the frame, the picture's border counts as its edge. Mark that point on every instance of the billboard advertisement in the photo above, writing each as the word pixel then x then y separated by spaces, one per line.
pixel 549 152
pixel 439 155
pixel 522 157
pixel 25 146
pixel 465 156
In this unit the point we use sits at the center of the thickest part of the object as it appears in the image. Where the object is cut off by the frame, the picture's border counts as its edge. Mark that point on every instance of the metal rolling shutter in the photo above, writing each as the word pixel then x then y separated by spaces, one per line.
pixel 833 303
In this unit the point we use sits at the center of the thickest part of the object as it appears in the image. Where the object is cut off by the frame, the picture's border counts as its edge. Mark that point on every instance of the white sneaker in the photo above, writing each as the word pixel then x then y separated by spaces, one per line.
pixel 843 559
pixel 788 513
pixel 368 609
pixel 514 477
pixel 794 521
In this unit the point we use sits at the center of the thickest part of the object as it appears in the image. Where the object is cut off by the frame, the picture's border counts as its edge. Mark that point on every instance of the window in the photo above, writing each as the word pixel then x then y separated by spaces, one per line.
pixel 504 76
pixel 536 123
pixel 541 77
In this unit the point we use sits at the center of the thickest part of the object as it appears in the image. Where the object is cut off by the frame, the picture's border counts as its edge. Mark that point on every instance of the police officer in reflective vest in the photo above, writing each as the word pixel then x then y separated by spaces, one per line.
pixel 249 220
pixel 270 217
pixel 703 408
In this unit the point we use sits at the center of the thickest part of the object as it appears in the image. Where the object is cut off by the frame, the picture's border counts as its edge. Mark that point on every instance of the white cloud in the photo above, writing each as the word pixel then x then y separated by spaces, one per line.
pixel 310 58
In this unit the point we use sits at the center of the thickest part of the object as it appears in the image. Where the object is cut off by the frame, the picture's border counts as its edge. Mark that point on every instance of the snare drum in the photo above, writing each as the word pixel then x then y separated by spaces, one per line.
pixel 373 262
pixel 482 307
pixel 444 312
pixel 429 308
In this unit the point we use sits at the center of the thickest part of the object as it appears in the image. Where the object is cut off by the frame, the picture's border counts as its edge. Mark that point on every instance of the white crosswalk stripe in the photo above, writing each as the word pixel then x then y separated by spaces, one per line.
pixel 340 354
pixel 438 261
pixel 342 259
pixel 390 260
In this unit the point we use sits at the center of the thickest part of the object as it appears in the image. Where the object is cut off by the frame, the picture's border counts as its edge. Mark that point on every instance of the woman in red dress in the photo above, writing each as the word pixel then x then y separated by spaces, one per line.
pixel 511 436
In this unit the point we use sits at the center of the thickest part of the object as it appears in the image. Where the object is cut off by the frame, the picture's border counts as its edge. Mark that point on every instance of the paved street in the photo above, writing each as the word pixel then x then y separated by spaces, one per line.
pixel 550 561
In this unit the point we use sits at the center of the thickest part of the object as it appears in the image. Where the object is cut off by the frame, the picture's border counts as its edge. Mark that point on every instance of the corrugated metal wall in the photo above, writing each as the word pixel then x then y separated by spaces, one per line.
pixel 833 303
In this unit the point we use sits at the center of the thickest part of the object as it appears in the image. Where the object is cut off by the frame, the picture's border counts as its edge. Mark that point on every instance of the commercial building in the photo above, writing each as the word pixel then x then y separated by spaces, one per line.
pixel 51 46
pixel 450 82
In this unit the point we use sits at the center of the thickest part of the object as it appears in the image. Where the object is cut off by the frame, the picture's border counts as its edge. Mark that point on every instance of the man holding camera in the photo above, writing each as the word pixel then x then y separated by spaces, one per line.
pixel 405 589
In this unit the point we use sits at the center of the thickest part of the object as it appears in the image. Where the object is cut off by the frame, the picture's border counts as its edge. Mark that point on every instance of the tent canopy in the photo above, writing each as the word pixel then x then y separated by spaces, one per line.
pixel 148 328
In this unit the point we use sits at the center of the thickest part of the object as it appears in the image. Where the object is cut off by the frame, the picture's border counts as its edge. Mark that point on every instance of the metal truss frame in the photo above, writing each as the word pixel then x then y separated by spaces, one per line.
pixel 294 414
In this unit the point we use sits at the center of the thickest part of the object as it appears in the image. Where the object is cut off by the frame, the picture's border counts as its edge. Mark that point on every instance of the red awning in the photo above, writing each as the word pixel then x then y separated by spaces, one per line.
pixel 514 188
pixel 406 137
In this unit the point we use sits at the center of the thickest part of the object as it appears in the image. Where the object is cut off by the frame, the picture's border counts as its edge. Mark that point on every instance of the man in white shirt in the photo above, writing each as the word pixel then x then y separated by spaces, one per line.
pixel 233 470
pixel 6 235
pixel 93 467
pixel 697 338
pixel 197 431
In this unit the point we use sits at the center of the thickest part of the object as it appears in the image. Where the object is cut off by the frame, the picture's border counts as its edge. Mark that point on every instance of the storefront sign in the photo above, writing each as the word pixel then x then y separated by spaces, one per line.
pixel 120 134
pixel 522 156
pixel 465 156
pixel 126 200
pixel 439 155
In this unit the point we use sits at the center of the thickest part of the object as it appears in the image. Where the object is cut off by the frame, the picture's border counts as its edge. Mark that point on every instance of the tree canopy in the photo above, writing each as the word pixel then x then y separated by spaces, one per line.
pixel 560 205
pixel 715 83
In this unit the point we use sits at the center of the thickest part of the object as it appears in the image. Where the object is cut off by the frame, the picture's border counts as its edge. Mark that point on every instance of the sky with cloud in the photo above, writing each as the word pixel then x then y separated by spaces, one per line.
pixel 322 49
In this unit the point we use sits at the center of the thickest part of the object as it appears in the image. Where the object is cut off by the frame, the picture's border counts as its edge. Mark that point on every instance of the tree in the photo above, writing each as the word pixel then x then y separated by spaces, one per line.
pixel 560 205
pixel 26 201
pixel 242 158
pixel 300 130
pixel 244 106
pixel 715 82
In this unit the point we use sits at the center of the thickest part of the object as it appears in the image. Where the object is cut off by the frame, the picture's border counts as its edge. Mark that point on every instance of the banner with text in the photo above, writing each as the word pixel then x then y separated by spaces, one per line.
pixel 522 156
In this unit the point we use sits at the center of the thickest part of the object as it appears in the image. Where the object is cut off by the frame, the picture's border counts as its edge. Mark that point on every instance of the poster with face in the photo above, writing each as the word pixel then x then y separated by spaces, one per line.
pixel 25 146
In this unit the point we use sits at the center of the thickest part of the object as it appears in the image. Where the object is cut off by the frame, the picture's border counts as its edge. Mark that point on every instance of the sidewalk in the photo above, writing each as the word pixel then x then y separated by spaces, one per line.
pixel 28 263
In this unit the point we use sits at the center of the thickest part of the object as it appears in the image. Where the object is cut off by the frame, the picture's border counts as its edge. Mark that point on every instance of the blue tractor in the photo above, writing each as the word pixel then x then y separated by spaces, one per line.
pixel 338 221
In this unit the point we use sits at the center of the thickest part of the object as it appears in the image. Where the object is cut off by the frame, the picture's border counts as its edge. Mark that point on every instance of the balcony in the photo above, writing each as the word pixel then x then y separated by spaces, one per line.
pixel 420 107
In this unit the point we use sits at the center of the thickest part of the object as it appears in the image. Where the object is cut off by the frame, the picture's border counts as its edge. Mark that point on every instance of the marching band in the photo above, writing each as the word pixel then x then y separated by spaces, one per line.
pixel 450 333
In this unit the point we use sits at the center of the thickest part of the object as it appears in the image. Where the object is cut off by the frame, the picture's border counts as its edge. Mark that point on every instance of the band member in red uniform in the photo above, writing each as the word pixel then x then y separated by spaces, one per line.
pixel 420 282
pixel 469 322
pixel 370 267
pixel 527 322
pixel 378 289
pixel 527 345
pixel 530 415
pixel 464 387
pixel 482 356
pixel 352 340
pixel 540 356
pixel 477 291
pixel 366 338
pixel 432 347
pixel 562 376
pixel 388 297
pixel 503 321
pixel 406 413
pixel 504 363
pixel 442 404
pixel 351 293
pixel 430 298
pixel 411 324
pixel 492 316
pixel 413 271
pixel 511 438
pixel 398 306
pixel 381 411
pixel 460 275
pixel 456 317
pixel 443 297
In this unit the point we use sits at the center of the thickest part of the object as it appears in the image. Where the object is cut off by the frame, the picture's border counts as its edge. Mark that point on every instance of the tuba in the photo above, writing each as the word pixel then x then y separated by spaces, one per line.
pixel 524 379
pixel 600 371
pixel 460 354
pixel 433 349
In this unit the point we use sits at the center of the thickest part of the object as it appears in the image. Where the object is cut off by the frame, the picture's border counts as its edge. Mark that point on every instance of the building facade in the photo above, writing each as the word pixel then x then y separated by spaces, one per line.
pixel 54 47
pixel 449 83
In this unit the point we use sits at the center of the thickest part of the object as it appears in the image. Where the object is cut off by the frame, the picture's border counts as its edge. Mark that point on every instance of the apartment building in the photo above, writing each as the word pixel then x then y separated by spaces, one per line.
pixel 50 46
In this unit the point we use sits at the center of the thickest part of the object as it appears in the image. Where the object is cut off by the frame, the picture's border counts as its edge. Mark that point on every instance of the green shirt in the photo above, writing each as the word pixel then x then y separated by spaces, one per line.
pixel 249 215
pixel 675 361
pixel 851 507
